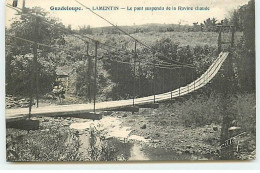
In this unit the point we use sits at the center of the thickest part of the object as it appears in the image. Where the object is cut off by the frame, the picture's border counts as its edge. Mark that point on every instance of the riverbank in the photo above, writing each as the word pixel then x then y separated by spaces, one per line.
pixel 165 134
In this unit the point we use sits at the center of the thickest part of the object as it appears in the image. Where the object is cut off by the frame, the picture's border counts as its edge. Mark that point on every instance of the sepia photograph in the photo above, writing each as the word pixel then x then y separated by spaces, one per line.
pixel 100 81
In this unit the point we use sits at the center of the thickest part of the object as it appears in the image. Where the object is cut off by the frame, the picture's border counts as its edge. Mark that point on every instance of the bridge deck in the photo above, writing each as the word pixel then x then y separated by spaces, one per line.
pixel 22 113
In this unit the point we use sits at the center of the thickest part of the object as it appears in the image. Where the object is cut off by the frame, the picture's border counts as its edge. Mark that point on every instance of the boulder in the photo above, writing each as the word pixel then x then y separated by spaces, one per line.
pixel 179 152
pixel 46 120
pixel 156 141
pixel 143 126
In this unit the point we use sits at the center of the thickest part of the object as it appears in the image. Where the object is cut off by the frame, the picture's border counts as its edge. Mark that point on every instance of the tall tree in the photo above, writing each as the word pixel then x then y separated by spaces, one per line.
pixel 19 53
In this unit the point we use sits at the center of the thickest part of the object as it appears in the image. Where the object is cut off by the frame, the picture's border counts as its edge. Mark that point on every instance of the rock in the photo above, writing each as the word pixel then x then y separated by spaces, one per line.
pixel 188 146
pixel 143 126
pixel 24 106
pixel 125 115
pixel 45 120
pixel 106 113
pixel 45 130
pixel 156 141
pixel 77 133
pixel 179 152
pixel 66 124
pixel 187 151
pixel 108 137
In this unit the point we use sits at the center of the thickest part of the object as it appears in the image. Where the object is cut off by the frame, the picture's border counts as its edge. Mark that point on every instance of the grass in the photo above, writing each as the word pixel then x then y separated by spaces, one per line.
pixel 204 110
pixel 197 122
pixel 49 145
pixel 244 108
pixel 183 38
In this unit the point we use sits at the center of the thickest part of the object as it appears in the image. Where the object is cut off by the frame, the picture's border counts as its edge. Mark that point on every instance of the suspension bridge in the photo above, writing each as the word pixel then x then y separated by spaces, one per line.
pixel 60 110
pixel 86 110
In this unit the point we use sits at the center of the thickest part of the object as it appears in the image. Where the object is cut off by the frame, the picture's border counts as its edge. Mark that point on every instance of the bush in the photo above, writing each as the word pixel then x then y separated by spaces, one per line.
pixel 201 111
pixel 204 110
pixel 18 77
pixel 244 108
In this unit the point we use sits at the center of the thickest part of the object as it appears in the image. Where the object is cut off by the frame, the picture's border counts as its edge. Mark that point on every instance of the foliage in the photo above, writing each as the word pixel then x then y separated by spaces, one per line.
pixel 243 107
pixel 85 79
pixel 244 53
pixel 203 110
pixel 56 142
pixel 118 80
pixel 85 30
pixel 42 146
pixel 20 71
pixel 19 54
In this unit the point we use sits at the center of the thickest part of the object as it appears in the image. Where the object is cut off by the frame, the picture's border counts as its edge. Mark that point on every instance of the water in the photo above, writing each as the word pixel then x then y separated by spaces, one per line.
pixel 122 150
pixel 134 151
pixel 107 140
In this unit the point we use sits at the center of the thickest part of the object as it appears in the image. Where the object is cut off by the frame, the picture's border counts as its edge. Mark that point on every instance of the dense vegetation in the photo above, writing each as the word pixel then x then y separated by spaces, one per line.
pixel 116 80
pixel 111 85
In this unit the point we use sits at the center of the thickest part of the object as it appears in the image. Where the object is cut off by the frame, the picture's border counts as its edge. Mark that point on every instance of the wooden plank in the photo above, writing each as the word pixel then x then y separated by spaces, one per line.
pixel 151 105
pixel 24 124
pixel 86 115
pixel 125 109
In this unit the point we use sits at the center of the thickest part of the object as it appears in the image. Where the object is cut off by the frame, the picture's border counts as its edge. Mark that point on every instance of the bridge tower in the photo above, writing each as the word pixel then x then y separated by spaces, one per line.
pixel 221 29
pixel 226 152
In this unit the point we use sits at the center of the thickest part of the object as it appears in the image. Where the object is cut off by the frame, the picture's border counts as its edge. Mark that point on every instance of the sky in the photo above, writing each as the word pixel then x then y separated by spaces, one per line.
pixel 217 8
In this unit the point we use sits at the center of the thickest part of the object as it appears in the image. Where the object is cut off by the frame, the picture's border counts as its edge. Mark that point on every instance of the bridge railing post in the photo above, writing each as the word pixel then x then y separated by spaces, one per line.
pixel 219 39
pixel 233 36
pixel 193 79
pixel 34 71
pixel 188 87
pixel 171 82
pixel 204 78
pixel 87 90
pixel 139 80
pixel 95 76
pixel 135 55
pixel 179 82
pixel 31 87
pixel 154 78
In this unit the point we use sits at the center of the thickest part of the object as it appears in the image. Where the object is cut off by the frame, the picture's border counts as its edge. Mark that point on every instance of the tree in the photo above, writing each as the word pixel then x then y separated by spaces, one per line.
pixel 85 30
pixel 19 53
pixel 245 51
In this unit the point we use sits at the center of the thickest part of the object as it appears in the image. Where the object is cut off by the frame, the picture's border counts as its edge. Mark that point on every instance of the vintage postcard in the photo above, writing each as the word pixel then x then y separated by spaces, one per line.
pixel 128 80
